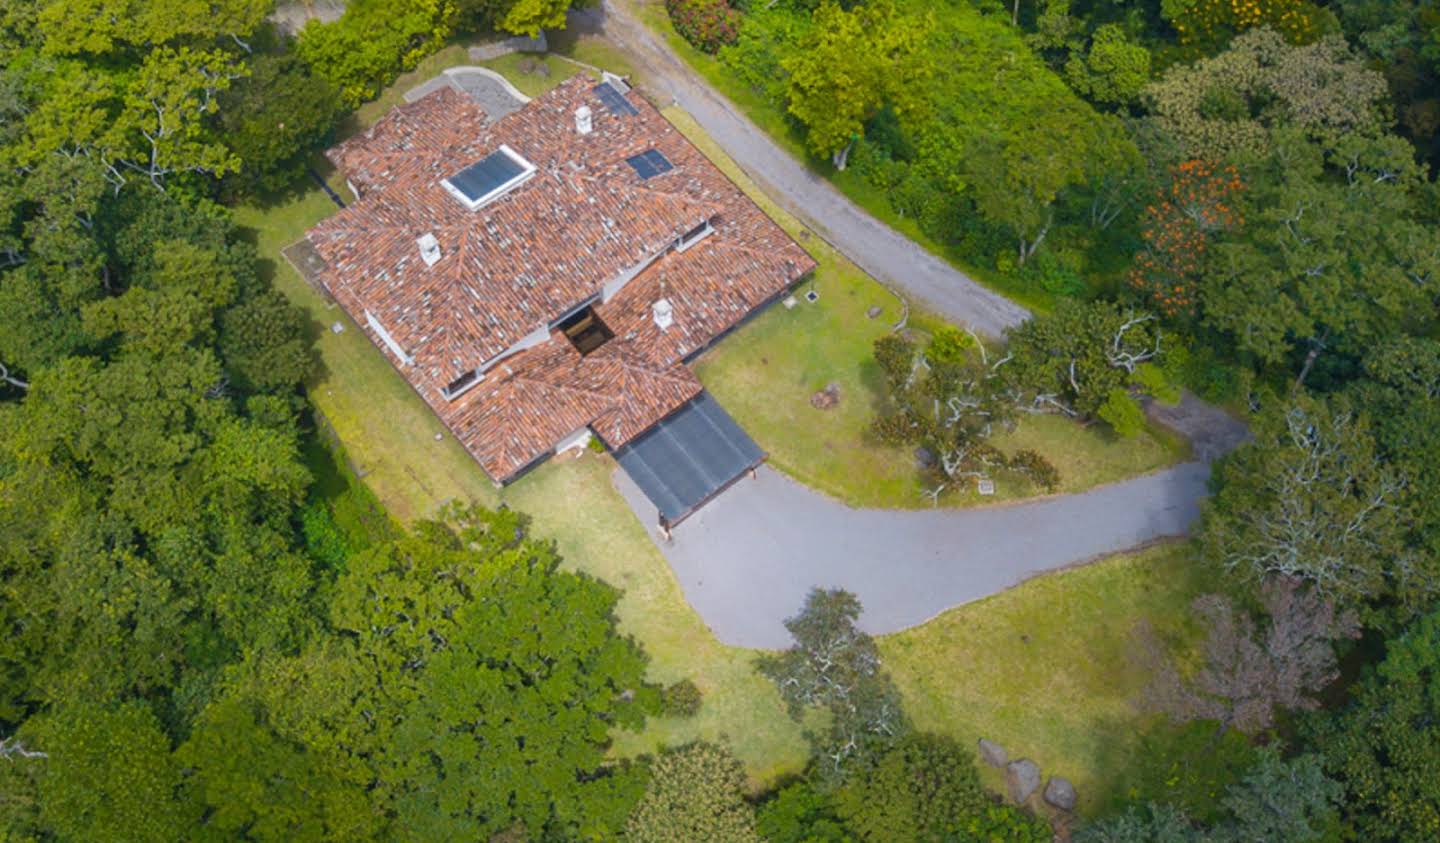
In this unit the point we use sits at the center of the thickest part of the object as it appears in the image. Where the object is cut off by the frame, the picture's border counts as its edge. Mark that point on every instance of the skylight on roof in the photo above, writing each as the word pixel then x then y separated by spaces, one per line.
pixel 650 163
pixel 613 100
pixel 489 178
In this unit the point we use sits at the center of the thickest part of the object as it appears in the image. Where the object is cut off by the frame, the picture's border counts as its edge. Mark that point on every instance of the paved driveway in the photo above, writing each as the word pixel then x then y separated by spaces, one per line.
pixel 748 558
pixel 875 247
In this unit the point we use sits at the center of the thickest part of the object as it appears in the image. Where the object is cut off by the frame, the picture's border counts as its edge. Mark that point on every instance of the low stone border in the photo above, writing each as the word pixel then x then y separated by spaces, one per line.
pixel 506 46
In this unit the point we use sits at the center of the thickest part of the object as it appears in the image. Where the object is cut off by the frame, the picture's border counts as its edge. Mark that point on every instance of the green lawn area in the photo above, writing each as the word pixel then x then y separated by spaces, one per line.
pixel 772 120
pixel 1043 669
pixel 766 373
pixel 1064 704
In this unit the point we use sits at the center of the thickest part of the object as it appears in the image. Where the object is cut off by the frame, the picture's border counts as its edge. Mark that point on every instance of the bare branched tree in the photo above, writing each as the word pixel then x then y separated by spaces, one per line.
pixel 1249 672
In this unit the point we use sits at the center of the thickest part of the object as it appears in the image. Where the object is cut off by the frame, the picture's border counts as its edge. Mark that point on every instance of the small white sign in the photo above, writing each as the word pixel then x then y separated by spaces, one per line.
pixel 790 303
pixel 985 486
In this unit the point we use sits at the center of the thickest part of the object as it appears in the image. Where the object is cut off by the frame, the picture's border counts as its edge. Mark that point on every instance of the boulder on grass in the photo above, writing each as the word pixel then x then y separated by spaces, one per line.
pixel 993 753
pixel 827 397
pixel 1023 778
pixel 1060 793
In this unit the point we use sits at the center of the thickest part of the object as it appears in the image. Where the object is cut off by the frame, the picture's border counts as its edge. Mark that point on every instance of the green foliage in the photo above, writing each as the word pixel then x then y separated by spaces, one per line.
pixel 801 813
pixel 835 666
pixel 522 17
pixel 849 64
pixel 1335 254
pixel 696 792
pixel 949 346
pixel 372 43
pixel 1188 768
pixel 1321 89
pixel 925 788
pixel 707 24
pixel 1384 748
pixel 1289 800
pixel 107 776
pixel 1036 468
pixel 896 357
pixel 1081 354
pixel 1282 800
pixel 1115 70
pixel 681 699
pixel 274 119
pixel 1310 498
pixel 1156 382
pixel 1122 413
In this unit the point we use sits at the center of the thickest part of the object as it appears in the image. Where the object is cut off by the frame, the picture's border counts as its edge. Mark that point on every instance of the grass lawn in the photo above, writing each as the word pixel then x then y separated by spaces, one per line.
pixel 766 373
pixel 1063 704
pixel 1043 669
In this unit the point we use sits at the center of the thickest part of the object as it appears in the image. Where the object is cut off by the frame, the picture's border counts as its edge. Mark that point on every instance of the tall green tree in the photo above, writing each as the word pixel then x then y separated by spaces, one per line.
pixel 1384 747
pixel 1309 498
pixel 851 63
pixel 835 666
pixel 696 792
pixel 473 682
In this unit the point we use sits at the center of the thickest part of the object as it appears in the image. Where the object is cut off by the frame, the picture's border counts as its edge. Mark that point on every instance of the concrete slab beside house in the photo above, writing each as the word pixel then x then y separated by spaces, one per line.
pixel 546 275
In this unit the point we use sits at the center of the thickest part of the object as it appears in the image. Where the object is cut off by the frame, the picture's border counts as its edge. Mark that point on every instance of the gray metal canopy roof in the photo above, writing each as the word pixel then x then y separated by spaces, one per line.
pixel 689 457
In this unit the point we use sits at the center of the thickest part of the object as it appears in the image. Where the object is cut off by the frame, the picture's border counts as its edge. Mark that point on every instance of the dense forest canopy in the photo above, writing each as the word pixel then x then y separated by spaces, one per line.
pixel 1238 198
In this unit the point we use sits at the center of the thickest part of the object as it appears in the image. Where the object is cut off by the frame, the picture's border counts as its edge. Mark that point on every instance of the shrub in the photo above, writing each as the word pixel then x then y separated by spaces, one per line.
pixel 682 699
pixel 1157 383
pixel 1055 274
pixel 707 24
pixel 948 346
pixel 1122 413
pixel 1039 470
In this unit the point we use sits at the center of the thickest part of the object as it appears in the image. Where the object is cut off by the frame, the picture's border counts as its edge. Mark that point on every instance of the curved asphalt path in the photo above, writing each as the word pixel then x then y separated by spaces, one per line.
pixel 878 249
pixel 747 559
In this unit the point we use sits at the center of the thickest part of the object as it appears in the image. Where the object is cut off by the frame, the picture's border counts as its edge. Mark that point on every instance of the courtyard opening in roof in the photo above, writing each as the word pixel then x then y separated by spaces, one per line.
pixel 489 178
pixel 586 331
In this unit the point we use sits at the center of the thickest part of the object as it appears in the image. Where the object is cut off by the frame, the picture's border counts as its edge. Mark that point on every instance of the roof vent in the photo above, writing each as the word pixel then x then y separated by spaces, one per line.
pixel 429 248
pixel 663 312
pixel 583 122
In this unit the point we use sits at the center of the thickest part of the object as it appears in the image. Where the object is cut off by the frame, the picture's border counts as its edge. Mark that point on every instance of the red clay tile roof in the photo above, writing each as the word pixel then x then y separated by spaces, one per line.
pixel 522 261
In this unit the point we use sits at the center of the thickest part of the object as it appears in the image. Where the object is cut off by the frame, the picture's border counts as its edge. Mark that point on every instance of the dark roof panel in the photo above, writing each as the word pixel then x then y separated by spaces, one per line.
pixel 689 457
pixel 486 175
pixel 614 101
pixel 651 162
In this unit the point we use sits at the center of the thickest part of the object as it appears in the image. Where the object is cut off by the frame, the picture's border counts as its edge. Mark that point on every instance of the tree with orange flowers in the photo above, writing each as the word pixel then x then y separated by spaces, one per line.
pixel 1200 202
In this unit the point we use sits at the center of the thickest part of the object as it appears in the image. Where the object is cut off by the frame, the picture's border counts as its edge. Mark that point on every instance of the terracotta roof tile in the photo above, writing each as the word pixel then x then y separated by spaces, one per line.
pixel 519 263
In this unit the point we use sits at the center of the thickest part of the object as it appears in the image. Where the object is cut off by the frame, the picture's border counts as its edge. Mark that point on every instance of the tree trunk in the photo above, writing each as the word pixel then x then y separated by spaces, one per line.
pixel 1316 346
pixel 1015 14
pixel 842 156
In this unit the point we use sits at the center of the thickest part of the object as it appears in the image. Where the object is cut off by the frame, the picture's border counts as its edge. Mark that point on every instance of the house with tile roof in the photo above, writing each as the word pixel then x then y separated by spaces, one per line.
pixel 545 275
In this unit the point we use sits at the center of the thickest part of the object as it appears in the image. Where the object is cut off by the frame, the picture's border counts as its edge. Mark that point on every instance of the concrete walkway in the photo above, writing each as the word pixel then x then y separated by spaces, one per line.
pixel 491 91
pixel 749 557
pixel 878 249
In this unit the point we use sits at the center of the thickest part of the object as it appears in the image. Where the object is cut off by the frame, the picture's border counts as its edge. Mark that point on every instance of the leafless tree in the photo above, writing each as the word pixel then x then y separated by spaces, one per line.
pixel 1247 672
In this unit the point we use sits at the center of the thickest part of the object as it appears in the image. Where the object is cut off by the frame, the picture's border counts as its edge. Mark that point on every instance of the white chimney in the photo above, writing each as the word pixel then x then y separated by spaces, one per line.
pixel 663 312
pixel 583 122
pixel 429 248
